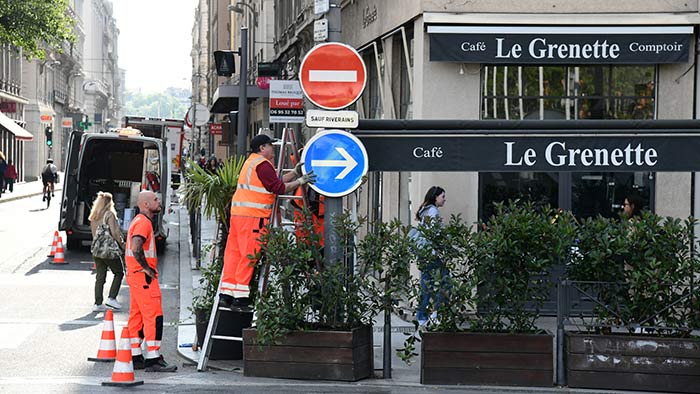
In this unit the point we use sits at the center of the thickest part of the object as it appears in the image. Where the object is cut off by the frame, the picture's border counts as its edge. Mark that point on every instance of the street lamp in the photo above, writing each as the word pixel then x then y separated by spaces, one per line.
pixel 237 8
pixel 243 80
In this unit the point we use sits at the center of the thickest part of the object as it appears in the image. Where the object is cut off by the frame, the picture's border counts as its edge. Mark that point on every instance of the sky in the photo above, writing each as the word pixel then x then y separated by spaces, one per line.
pixel 155 39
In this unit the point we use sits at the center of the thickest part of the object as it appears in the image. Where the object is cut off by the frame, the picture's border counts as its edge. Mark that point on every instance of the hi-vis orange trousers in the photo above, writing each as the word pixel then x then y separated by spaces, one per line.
pixel 145 313
pixel 242 241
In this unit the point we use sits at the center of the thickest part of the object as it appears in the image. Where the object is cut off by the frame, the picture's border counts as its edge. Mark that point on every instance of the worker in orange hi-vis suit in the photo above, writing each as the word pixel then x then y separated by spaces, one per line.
pixel 317 204
pixel 146 310
pixel 251 207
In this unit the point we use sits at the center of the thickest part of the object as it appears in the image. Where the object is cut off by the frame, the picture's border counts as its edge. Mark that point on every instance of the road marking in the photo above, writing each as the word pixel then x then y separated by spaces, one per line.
pixel 13 335
pixel 332 76
pixel 349 163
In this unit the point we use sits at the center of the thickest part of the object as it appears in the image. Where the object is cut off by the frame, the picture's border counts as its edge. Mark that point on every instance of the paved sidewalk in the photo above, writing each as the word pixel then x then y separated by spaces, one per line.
pixel 30 189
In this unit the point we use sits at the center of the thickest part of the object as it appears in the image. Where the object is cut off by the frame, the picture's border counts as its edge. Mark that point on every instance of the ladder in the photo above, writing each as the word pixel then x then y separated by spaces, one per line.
pixel 287 149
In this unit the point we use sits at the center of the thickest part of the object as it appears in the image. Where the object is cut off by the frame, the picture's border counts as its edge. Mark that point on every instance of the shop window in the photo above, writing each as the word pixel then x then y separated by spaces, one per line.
pixel 372 97
pixel 538 187
pixel 568 93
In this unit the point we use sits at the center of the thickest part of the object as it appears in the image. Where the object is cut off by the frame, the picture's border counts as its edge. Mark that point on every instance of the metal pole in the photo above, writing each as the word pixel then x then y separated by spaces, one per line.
pixel 562 306
pixel 243 95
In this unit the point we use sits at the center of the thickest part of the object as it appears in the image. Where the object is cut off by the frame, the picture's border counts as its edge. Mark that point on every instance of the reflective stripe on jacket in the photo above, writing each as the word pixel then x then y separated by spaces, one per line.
pixel 251 198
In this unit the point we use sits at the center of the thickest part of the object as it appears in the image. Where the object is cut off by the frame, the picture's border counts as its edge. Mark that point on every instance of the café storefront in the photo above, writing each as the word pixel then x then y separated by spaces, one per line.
pixel 566 73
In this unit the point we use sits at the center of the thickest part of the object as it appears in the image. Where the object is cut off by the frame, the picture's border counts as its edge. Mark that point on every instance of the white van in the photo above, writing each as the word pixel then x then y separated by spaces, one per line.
pixel 122 163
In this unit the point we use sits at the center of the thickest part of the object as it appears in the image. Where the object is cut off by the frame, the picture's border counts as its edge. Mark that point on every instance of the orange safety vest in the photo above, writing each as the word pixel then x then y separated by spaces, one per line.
pixel 251 198
pixel 141 225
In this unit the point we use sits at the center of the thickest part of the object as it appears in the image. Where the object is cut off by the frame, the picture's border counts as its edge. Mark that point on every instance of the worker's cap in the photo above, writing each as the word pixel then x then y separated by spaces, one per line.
pixel 260 140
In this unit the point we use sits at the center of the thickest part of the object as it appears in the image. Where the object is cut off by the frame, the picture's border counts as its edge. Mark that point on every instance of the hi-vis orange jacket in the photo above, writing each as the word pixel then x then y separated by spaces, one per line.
pixel 251 198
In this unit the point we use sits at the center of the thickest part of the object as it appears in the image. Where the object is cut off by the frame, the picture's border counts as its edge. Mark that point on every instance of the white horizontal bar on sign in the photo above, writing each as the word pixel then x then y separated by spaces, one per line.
pixel 561 29
pixel 332 75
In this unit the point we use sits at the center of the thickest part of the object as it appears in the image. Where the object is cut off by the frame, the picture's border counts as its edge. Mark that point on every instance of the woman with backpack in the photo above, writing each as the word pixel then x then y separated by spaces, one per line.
pixel 429 211
pixel 107 247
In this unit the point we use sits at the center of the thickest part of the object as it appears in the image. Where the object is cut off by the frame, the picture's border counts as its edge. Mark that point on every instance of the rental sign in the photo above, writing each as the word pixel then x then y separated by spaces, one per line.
pixel 560 45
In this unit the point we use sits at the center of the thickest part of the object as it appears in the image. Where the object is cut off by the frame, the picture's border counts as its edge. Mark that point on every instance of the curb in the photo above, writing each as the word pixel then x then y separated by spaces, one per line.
pixel 19 197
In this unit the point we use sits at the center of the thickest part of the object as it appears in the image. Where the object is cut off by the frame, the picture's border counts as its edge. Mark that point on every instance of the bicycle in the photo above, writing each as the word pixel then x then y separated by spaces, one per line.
pixel 47 197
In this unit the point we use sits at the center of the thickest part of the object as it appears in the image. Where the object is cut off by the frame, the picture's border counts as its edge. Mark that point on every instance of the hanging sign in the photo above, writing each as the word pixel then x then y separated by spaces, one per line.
pixel 560 44
pixel 286 102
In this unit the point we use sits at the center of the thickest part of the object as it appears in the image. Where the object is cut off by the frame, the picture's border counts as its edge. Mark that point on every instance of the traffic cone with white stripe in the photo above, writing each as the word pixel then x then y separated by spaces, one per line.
pixel 59 258
pixel 54 244
pixel 107 351
pixel 123 372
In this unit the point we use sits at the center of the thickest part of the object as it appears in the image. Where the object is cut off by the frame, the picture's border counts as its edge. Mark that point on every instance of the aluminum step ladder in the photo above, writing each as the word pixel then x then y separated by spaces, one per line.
pixel 288 154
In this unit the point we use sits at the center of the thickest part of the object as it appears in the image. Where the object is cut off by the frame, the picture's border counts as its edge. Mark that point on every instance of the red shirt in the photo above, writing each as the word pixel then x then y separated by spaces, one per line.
pixel 10 172
pixel 268 176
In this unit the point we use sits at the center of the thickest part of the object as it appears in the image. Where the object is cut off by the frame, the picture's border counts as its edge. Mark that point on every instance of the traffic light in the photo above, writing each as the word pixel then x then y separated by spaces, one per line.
pixel 48 131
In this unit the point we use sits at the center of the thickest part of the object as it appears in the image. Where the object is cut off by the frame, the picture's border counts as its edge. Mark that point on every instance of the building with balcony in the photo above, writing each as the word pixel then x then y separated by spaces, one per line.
pixel 13 135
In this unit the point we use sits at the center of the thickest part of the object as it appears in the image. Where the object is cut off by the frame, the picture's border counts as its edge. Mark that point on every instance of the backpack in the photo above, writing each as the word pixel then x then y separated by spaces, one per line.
pixel 416 234
pixel 104 246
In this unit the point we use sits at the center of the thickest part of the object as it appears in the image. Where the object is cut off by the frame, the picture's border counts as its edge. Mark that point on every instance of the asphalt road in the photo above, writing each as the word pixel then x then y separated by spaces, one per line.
pixel 47 327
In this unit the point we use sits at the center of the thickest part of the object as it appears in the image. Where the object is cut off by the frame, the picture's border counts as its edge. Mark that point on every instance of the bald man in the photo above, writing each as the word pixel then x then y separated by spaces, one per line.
pixel 146 310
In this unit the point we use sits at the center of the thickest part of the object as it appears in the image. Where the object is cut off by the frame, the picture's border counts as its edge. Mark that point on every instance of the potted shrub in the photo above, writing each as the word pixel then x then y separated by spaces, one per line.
pixel 213 192
pixel 315 321
pixel 639 336
pixel 486 331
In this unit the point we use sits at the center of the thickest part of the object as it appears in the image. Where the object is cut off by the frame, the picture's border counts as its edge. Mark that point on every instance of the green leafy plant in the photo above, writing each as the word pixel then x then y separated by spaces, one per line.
pixel 446 256
pixel 33 25
pixel 513 259
pixel 304 294
pixel 203 299
pixel 643 270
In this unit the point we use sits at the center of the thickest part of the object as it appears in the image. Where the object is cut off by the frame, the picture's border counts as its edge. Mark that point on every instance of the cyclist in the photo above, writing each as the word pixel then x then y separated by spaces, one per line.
pixel 49 175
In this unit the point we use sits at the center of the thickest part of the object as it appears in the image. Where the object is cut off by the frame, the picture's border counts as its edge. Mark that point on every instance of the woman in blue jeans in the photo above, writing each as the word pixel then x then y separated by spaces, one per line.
pixel 430 210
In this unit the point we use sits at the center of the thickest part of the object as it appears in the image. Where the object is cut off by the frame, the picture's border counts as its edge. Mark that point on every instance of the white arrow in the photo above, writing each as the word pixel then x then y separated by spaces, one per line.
pixel 349 163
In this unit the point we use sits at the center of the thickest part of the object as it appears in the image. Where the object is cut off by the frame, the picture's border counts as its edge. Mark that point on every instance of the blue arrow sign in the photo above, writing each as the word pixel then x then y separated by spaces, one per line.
pixel 339 161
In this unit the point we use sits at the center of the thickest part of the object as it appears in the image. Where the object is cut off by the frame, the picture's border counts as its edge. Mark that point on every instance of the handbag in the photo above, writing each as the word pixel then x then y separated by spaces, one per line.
pixel 104 246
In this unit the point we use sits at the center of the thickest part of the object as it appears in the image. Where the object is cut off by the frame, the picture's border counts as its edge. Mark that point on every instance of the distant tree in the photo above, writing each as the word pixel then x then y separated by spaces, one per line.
pixel 35 25
pixel 154 105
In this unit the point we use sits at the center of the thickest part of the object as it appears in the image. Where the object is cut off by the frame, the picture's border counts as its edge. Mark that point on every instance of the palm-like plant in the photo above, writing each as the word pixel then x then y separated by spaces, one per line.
pixel 215 191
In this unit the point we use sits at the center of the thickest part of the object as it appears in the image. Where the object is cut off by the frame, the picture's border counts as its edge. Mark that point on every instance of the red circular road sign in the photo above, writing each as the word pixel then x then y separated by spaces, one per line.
pixel 333 75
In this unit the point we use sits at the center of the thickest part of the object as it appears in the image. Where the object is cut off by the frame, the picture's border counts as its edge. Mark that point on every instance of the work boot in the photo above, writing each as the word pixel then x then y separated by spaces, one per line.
pixel 241 304
pixel 225 300
pixel 159 365
pixel 139 362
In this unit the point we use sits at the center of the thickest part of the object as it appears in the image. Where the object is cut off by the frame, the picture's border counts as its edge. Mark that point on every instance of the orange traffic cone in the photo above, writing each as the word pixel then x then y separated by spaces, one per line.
pixel 107 351
pixel 123 372
pixel 53 244
pixel 58 258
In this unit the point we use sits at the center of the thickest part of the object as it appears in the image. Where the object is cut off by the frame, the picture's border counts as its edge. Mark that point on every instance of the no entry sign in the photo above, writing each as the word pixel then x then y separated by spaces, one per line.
pixel 333 75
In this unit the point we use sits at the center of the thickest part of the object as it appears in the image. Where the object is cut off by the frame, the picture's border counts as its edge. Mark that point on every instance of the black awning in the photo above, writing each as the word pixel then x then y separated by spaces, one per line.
pixel 226 97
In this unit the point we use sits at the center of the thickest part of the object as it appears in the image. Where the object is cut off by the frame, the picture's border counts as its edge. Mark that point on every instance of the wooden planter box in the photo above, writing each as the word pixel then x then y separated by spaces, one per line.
pixel 487 359
pixel 633 363
pixel 319 355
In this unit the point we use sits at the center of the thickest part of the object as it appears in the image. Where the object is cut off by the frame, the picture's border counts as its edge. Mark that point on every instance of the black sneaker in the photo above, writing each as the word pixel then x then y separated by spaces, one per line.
pixel 225 300
pixel 43 198
pixel 159 365
pixel 139 362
